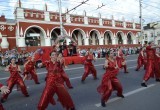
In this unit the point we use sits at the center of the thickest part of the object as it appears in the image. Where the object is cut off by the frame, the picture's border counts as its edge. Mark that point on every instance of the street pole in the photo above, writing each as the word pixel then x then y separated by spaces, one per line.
pixel 141 33
pixel 60 17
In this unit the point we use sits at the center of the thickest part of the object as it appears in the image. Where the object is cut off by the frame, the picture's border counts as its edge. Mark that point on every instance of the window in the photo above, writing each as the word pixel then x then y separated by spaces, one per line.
pixel 145 36
pixel 152 35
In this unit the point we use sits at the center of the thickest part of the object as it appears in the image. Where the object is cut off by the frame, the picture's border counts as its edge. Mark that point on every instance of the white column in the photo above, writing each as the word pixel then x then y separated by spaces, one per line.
pixel 4 43
pixel 20 13
pixel 124 41
pixel 85 17
pixel 113 21
pixel 48 41
pixel 124 24
pixel 124 38
pixel 47 16
pixel 67 41
pixel 134 41
pixel 21 42
pixel 68 18
pixel 114 41
pixel 101 41
pixel 93 39
pixel 100 22
pixel 85 20
pixel 79 39
pixel 86 41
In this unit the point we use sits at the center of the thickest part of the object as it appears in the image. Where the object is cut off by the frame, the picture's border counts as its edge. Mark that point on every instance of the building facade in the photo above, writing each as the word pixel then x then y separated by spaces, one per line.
pixel 33 27
pixel 152 33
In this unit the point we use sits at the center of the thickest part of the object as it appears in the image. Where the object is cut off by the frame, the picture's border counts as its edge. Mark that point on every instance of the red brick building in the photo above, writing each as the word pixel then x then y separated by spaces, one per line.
pixel 36 28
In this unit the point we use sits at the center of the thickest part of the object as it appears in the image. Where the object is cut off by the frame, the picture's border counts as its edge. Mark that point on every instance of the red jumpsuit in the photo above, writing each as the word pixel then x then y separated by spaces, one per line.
pixel 141 60
pixel 15 78
pixel 64 75
pixel 150 67
pixel 30 71
pixel 157 67
pixel 89 67
pixel 120 60
pixel 55 84
pixel 110 82
pixel 65 51
pixel 1 106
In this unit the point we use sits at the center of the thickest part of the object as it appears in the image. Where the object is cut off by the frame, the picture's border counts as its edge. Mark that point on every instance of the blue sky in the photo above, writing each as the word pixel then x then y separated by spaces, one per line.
pixel 128 9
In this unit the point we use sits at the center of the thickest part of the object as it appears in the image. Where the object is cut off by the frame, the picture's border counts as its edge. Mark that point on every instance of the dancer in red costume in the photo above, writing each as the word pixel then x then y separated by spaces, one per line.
pixel 14 78
pixel 4 90
pixel 141 59
pixel 30 70
pixel 55 85
pixel 109 81
pixel 151 57
pixel 65 50
pixel 157 65
pixel 88 66
pixel 121 61
pixel 64 75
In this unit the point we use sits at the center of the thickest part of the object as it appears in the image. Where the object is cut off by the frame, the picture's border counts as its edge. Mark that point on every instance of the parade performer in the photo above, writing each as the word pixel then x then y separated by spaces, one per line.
pixel 88 66
pixel 30 70
pixel 121 61
pixel 14 78
pixel 64 75
pixel 150 67
pixel 157 65
pixel 110 81
pixel 65 50
pixel 4 90
pixel 55 85
pixel 141 59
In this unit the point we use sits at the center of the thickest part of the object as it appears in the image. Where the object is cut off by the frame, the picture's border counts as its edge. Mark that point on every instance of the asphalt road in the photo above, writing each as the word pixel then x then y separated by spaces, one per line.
pixel 85 95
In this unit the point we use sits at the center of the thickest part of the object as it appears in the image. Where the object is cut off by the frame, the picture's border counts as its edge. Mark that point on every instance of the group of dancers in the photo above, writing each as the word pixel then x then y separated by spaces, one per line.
pixel 149 57
pixel 56 76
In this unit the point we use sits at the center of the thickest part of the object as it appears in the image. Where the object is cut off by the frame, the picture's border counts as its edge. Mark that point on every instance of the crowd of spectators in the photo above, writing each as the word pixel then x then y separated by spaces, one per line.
pixel 21 56
pixel 101 52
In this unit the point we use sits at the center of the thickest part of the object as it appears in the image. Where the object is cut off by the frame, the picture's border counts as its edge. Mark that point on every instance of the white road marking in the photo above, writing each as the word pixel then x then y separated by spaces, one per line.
pixel 127 94
pixel 16 89
pixel 70 69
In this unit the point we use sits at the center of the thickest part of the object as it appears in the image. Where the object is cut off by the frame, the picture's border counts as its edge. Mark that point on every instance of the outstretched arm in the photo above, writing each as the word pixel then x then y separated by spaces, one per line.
pixel 26 63
pixel 106 64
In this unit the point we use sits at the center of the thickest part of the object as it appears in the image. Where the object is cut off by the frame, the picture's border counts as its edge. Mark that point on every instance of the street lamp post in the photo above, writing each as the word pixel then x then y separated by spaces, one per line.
pixel 60 17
